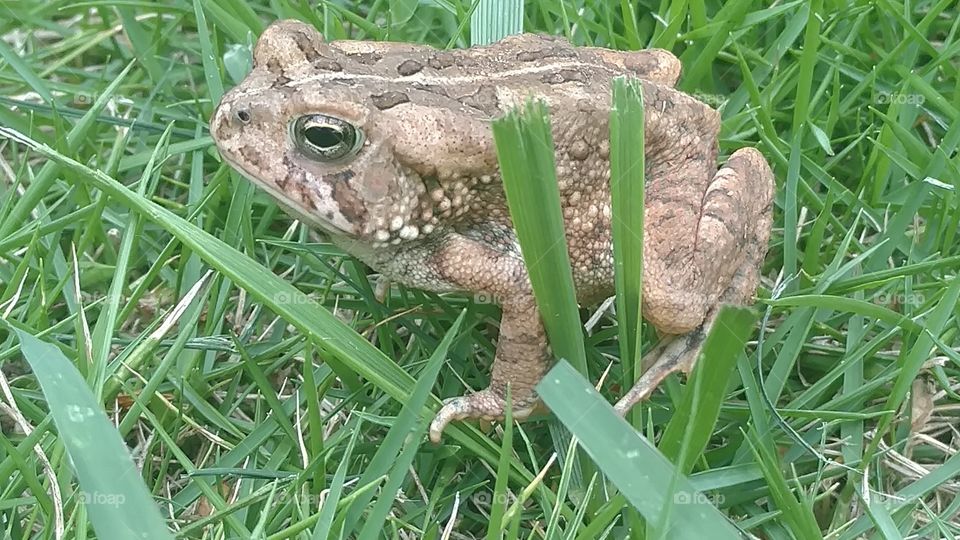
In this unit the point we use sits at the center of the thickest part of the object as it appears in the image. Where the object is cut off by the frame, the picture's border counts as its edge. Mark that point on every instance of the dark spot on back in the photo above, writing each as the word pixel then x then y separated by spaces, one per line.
pixel 551 52
pixel 585 105
pixel 529 56
pixel 366 58
pixel 306 46
pixel 326 64
pixel 562 76
pixel 431 88
pixel 274 65
pixel 663 104
pixel 441 60
pixel 484 99
pixel 409 67
pixel 641 64
pixel 314 56
pixel 389 99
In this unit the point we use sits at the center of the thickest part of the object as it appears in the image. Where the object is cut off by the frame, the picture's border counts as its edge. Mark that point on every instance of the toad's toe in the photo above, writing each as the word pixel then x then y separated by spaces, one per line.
pixel 483 405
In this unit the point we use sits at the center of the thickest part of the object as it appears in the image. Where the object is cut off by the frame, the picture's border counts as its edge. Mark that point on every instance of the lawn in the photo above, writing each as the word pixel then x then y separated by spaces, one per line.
pixel 180 358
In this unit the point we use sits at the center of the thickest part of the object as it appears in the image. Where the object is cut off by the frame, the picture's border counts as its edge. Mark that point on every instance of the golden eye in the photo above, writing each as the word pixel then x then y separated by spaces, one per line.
pixel 326 138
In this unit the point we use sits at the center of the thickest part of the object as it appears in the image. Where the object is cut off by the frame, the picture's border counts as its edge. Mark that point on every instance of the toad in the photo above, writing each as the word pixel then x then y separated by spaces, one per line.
pixel 388 149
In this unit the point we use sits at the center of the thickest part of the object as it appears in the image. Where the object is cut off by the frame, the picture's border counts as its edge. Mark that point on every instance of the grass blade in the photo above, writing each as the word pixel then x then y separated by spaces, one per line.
pixel 525 150
pixel 501 485
pixel 693 421
pixel 328 511
pixel 629 461
pixel 627 201
pixel 118 502
pixel 396 452
pixel 492 20
pixel 23 69
pixel 797 517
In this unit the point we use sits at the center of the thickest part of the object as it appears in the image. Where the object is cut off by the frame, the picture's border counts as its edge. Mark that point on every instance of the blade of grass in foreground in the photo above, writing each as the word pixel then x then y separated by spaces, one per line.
pixel 692 423
pixel 645 477
pixel 117 500
pixel 494 529
pixel 627 200
pixel 796 516
pixel 327 513
pixel 627 205
pixel 525 150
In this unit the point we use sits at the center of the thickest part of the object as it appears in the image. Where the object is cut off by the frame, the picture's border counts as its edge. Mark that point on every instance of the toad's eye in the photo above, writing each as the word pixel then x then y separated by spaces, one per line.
pixel 325 138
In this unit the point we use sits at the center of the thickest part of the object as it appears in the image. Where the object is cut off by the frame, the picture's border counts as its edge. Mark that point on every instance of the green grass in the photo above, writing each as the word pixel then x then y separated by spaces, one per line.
pixel 264 393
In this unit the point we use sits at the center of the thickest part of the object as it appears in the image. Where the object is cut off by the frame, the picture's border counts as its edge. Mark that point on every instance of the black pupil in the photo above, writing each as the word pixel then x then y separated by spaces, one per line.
pixel 325 137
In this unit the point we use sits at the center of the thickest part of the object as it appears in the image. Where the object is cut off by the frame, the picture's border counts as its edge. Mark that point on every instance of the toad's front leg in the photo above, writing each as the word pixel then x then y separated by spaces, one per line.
pixel 522 352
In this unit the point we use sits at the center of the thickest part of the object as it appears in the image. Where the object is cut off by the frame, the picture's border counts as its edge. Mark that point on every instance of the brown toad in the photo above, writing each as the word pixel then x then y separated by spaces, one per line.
pixel 387 147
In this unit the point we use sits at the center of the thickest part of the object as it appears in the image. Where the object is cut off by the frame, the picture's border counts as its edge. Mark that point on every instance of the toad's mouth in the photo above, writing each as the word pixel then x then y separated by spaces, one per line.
pixel 328 220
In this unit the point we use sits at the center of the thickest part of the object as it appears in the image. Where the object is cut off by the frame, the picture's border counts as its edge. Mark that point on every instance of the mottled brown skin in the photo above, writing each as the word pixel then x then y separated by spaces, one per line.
pixel 422 203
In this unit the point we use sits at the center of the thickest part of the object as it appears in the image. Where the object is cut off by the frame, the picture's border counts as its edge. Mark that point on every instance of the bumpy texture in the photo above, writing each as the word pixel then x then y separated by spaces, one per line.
pixel 387 147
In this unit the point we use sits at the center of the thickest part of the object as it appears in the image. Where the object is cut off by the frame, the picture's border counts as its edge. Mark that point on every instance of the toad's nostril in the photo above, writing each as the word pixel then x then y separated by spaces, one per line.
pixel 243 115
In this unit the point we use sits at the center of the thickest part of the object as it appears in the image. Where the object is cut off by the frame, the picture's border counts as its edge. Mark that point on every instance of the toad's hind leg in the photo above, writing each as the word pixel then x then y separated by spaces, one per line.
pixel 688 284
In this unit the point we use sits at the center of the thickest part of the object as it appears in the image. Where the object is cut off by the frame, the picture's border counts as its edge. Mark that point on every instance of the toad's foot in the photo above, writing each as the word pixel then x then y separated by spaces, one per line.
pixel 672 354
pixel 484 405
